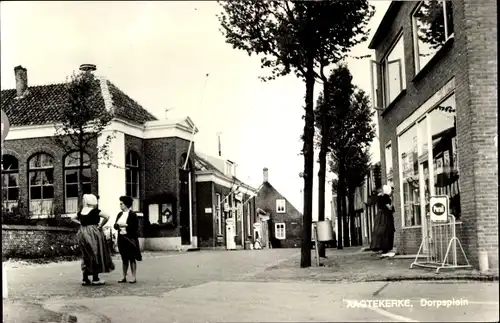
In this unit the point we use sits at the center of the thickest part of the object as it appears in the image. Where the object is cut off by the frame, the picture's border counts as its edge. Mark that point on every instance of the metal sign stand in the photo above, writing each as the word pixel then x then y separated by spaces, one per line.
pixel 441 231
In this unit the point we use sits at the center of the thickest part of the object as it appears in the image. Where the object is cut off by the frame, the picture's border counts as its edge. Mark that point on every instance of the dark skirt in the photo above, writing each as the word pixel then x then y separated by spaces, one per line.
pixel 383 232
pixel 129 248
pixel 96 256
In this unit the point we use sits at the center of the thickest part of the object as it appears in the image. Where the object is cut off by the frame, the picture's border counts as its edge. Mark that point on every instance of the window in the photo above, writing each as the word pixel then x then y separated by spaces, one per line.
pixel 219 217
pixel 410 178
pixel 10 182
pixel 229 168
pixel 161 213
pixel 279 231
pixel 72 179
pixel 391 73
pixel 280 206
pixel 388 163
pixel 132 178
pixel 432 27
pixel 41 184
pixel 443 129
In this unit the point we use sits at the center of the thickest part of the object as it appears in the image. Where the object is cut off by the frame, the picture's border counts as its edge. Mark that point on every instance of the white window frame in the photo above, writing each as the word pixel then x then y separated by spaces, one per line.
pixel 416 52
pixel 280 203
pixel 130 167
pixel 9 204
pixel 389 171
pixel 71 203
pixel 423 113
pixel 280 231
pixel 380 84
pixel 46 204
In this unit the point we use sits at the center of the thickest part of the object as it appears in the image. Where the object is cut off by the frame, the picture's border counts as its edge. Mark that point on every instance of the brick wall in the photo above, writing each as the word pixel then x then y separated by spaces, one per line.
pixel 38 242
pixel 266 200
pixel 162 162
pixel 23 149
pixel 471 59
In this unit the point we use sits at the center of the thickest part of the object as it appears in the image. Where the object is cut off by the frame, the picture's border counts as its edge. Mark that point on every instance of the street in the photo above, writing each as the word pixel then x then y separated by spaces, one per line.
pixel 221 286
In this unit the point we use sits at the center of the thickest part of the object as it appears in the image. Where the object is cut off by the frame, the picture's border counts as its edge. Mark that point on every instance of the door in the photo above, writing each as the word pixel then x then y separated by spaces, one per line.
pixel 184 177
pixel 425 178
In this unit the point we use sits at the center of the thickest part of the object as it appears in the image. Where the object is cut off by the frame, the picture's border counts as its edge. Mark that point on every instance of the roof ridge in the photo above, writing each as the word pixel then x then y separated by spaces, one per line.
pixel 37 86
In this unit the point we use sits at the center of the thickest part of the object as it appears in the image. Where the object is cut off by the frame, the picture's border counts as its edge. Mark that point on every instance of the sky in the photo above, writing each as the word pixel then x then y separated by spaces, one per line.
pixel 159 54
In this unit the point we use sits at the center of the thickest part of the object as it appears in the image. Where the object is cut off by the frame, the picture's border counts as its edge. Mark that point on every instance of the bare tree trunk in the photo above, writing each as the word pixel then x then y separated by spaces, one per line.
pixel 347 242
pixel 308 151
pixel 321 189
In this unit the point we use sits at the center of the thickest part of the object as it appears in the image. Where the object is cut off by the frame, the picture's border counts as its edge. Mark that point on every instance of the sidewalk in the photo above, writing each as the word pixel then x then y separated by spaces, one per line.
pixel 17 311
pixel 354 265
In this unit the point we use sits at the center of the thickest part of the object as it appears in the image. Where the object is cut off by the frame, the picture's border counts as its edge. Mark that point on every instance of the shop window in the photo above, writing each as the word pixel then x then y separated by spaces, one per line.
pixel 443 129
pixel 279 231
pixel 10 182
pixel 132 179
pixel 219 214
pixel 280 206
pixel 388 163
pixel 72 179
pixel 410 194
pixel 391 72
pixel 432 27
pixel 41 184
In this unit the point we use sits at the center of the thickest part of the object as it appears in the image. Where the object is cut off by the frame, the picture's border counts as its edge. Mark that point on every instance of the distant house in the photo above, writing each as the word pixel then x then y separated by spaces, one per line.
pixel 280 222
pixel 146 163
pixel 225 205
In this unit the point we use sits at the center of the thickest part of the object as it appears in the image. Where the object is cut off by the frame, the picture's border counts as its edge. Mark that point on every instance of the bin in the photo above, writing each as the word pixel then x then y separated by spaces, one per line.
pixel 325 231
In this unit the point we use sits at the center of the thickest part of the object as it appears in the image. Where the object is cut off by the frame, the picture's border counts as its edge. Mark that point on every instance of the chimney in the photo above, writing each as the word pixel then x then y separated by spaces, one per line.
pixel 21 80
pixel 266 175
pixel 88 67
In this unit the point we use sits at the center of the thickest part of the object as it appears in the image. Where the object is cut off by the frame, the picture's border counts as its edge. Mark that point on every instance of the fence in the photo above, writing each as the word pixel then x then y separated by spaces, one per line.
pixel 440 245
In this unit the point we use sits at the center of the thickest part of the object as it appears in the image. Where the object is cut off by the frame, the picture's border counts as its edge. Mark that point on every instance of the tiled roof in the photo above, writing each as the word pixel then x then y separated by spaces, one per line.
pixel 41 105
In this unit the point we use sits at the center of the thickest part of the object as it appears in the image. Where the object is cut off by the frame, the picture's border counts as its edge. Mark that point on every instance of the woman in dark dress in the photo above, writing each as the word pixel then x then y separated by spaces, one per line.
pixel 383 231
pixel 128 238
pixel 96 256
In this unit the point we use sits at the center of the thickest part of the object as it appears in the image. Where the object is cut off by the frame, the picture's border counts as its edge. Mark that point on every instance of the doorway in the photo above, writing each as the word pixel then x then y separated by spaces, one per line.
pixel 185 198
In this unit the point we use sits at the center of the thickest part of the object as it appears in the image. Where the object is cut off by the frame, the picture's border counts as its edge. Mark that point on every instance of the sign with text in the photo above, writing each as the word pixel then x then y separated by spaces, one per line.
pixel 439 208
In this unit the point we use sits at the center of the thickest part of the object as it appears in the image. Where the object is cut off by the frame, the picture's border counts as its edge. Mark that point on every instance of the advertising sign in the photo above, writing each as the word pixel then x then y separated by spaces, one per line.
pixel 439 207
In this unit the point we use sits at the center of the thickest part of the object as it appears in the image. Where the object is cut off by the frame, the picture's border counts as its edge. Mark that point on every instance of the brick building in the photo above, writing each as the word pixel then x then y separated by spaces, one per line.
pixel 436 92
pixel 280 223
pixel 225 205
pixel 147 163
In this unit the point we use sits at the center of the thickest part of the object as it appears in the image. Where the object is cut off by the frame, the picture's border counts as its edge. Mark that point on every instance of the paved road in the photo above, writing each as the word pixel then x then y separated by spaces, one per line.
pixel 220 286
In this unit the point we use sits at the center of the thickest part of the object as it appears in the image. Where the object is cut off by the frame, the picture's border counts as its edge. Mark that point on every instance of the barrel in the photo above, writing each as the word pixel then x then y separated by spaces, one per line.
pixel 325 230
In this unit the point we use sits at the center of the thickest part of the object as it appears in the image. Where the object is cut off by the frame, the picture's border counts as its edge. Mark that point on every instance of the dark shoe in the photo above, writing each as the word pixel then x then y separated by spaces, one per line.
pixel 122 281
pixel 86 282
pixel 133 281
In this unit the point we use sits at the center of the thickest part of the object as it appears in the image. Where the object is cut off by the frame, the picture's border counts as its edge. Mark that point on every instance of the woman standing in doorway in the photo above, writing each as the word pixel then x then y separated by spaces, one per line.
pixel 95 251
pixel 127 225
pixel 383 232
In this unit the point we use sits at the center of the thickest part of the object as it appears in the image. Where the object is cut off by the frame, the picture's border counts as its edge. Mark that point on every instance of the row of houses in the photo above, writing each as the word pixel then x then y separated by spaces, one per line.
pixel 434 87
pixel 186 199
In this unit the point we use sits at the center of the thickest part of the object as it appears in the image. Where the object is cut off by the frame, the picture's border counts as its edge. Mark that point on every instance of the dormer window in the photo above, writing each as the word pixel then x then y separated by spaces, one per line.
pixel 280 206
pixel 229 168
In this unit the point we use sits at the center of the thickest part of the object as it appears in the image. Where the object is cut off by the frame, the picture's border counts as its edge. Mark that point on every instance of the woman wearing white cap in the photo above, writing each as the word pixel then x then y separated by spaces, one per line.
pixel 383 231
pixel 92 242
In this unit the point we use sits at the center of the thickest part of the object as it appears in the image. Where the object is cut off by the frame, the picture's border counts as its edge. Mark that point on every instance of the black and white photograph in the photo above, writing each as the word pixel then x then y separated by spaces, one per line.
pixel 249 161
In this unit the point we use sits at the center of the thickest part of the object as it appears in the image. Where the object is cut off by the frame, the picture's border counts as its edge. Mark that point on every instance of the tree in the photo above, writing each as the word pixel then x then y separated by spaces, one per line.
pixel 297 37
pixel 351 130
pixel 82 120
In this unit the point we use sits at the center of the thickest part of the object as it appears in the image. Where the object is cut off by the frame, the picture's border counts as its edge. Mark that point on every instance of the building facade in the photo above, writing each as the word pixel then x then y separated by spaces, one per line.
pixel 225 205
pixel 279 223
pixel 435 86
pixel 147 162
